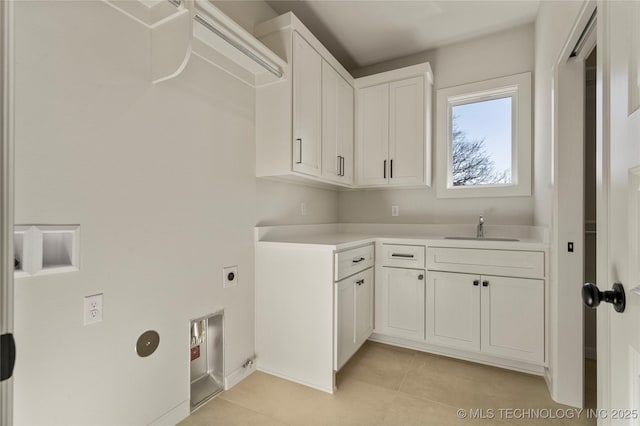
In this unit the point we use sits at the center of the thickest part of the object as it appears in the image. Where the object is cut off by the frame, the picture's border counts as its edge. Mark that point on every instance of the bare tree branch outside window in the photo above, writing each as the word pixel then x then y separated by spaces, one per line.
pixel 472 165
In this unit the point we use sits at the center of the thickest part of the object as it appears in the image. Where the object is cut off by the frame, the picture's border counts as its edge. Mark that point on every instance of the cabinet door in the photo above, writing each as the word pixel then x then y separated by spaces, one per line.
pixel 453 310
pixel 513 318
pixel 406 132
pixel 345 322
pixel 401 303
pixel 337 126
pixel 307 107
pixel 345 129
pixel 373 135
pixel 364 307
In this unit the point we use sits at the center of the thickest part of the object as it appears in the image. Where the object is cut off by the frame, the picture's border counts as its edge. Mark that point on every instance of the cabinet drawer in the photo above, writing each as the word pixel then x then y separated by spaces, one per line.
pixel 509 263
pixel 403 256
pixel 352 261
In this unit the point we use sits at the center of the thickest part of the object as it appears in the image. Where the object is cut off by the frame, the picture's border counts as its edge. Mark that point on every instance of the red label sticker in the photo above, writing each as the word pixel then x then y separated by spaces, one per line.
pixel 195 352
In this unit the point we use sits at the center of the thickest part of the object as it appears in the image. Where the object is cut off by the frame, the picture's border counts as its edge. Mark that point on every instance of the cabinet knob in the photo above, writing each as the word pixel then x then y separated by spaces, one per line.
pixel 485 283
pixel 421 276
pixel 476 282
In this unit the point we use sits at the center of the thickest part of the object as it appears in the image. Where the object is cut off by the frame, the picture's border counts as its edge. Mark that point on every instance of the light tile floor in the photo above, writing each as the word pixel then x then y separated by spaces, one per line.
pixel 385 385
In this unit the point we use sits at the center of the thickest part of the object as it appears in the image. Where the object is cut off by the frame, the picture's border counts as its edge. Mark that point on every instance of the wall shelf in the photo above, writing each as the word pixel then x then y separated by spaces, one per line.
pixel 180 28
pixel 46 249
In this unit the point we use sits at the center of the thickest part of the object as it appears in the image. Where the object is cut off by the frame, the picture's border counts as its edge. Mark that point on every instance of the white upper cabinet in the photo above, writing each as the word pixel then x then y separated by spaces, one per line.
pixel 307 107
pixel 337 126
pixel 406 132
pixel 304 124
pixel 393 128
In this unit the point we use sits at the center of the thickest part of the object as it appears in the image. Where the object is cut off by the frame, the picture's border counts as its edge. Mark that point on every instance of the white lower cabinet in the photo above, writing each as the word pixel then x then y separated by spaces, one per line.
pixel 453 310
pixel 400 303
pixel 499 316
pixel 513 318
pixel 354 315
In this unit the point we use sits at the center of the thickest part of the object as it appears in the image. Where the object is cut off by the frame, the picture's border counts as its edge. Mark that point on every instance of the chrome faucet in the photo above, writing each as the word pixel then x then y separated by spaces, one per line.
pixel 480 232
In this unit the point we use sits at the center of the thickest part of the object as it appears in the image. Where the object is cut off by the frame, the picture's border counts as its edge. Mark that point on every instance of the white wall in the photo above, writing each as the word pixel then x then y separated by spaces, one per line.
pixel 161 180
pixel 504 53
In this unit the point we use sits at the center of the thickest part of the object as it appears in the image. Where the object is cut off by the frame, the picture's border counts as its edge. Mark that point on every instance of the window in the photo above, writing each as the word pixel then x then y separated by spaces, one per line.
pixel 484 138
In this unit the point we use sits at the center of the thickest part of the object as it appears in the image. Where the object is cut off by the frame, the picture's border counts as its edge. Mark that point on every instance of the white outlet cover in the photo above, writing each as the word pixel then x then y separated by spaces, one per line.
pixel 93 309
pixel 229 280
pixel 395 210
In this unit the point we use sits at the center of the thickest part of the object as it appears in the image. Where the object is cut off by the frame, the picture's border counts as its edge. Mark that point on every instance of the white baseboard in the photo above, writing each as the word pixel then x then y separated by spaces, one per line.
pixel 173 416
pixel 549 380
pixel 238 375
pixel 522 366
pixel 294 380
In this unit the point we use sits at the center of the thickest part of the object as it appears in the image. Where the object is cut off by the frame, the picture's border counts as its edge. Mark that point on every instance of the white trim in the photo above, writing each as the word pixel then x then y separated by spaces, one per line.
pixel 603 180
pixel 173 416
pixel 238 375
pixel 518 87
pixel 567 117
pixel 6 195
pixel 522 366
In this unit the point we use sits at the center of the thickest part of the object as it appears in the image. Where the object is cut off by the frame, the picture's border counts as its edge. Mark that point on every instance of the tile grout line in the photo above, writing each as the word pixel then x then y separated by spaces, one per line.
pixel 237 404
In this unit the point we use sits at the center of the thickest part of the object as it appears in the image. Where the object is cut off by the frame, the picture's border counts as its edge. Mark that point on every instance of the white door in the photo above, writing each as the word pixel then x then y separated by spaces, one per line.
pixel 307 107
pixel 618 206
pixel 406 132
pixel 373 135
pixel 512 318
pixel 453 310
pixel 401 303
pixel 6 206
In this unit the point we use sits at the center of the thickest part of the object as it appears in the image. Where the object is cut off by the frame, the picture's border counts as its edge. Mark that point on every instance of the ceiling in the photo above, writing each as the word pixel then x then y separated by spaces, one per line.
pixel 365 32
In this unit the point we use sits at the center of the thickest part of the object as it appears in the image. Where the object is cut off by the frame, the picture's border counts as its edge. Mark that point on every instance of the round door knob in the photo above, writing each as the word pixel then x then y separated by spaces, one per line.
pixel 592 296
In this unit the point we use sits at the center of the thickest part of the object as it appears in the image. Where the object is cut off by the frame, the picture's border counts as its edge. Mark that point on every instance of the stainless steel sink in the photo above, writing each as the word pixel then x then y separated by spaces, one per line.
pixel 481 239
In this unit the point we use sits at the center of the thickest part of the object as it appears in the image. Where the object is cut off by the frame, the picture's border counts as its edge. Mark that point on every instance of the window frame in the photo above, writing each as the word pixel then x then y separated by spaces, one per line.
pixel 518 87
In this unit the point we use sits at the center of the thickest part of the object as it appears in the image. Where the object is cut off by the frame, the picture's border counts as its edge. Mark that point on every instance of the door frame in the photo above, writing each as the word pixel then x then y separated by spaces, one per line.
pixel 566 364
pixel 6 194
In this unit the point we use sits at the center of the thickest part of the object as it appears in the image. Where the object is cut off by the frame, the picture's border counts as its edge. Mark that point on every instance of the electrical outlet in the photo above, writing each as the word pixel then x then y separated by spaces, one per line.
pixel 229 276
pixel 93 309
pixel 303 208
pixel 395 210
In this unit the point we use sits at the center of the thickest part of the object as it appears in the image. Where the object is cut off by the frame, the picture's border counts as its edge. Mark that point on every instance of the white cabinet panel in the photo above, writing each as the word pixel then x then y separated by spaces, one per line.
pixel 364 307
pixel 402 303
pixel 373 135
pixel 513 317
pixel 337 126
pixel 393 127
pixel 354 315
pixel 453 310
pixel 349 262
pixel 403 256
pixel 345 311
pixel 307 107
pixel 406 132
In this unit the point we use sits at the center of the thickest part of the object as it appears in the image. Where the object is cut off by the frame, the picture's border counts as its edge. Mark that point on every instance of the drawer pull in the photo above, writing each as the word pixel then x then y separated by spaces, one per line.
pixel 358 260
pixel 360 282
pixel 406 256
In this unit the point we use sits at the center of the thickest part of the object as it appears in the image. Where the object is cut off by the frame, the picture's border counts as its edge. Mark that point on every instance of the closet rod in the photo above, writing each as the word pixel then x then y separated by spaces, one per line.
pixel 248 53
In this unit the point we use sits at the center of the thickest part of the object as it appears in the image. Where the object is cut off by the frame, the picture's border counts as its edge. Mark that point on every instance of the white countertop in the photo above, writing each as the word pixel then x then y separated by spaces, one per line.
pixel 343 236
